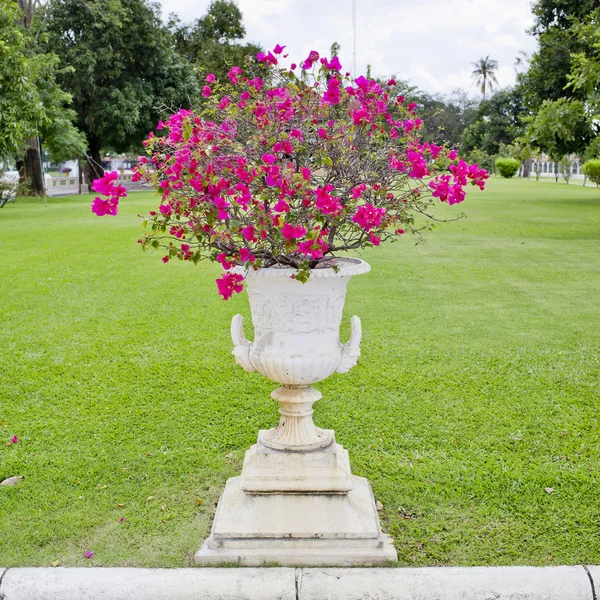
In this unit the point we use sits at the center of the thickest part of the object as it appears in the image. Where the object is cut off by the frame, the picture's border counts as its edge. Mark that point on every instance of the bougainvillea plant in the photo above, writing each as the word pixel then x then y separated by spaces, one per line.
pixel 287 166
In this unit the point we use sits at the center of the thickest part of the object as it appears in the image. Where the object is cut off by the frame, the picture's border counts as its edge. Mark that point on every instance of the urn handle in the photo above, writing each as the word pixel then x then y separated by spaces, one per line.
pixel 241 346
pixel 351 350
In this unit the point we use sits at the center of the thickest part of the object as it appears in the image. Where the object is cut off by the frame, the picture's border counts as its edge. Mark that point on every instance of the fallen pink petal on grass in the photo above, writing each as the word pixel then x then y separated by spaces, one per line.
pixel 14 439
pixel 88 554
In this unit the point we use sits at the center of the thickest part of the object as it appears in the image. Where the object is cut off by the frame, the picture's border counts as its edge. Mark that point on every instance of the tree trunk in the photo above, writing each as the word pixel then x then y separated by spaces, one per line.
pixel 556 172
pixel 527 168
pixel 93 165
pixel 31 177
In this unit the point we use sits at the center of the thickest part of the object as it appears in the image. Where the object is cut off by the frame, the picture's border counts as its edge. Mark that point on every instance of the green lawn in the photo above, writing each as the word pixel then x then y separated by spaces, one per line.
pixel 478 386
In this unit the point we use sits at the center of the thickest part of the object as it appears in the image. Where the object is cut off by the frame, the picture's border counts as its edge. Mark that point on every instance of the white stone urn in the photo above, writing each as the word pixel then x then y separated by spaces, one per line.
pixel 297 343
pixel 296 501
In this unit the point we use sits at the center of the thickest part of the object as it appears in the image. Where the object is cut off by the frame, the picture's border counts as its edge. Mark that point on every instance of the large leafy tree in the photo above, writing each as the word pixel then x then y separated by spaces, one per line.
pixel 560 128
pixel 555 28
pixel 31 104
pixel 498 123
pixel 212 41
pixel 21 111
pixel 123 71
pixel 585 72
pixel 484 74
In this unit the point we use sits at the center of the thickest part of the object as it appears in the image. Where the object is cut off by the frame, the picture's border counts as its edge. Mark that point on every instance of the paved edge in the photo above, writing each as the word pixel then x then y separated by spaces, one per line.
pixel 448 583
pixel 593 573
pixel 425 583
pixel 148 584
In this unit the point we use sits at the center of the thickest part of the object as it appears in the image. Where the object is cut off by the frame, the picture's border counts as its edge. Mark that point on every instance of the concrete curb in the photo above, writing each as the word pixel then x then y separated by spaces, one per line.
pixel 427 583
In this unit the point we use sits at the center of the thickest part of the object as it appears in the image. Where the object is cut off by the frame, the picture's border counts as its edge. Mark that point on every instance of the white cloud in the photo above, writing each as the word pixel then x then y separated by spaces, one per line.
pixel 430 42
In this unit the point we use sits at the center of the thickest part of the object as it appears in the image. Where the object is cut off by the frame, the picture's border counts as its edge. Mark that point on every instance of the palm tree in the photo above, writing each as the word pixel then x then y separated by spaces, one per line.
pixel 484 74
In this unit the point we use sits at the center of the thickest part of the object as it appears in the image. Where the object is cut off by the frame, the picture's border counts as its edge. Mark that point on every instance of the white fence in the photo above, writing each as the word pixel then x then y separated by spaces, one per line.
pixel 547 169
pixel 62 186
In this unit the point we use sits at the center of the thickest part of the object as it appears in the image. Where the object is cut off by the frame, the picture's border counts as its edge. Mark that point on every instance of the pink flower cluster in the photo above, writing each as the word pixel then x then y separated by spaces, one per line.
pixel 450 188
pixel 106 186
pixel 288 170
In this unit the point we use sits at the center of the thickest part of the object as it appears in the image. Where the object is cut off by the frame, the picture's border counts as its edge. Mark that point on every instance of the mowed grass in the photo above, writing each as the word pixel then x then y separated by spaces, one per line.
pixel 478 386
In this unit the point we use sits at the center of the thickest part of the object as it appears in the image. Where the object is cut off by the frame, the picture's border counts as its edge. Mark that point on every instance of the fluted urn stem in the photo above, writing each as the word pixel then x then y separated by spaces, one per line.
pixel 296 431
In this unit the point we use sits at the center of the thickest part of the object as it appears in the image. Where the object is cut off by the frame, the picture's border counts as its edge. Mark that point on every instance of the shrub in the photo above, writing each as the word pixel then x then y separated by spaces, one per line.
pixel 591 169
pixel 507 167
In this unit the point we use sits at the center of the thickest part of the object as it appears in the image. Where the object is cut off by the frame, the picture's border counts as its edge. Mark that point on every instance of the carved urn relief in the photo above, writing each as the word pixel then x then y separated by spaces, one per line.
pixel 297 343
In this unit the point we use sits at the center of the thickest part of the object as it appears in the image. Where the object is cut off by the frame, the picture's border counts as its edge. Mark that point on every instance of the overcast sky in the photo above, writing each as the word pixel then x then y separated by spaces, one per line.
pixel 429 42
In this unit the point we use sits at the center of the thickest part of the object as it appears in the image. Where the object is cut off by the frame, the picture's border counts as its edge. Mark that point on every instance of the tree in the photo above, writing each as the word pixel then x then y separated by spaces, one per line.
pixel 559 14
pixel 560 128
pixel 484 74
pixel 497 122
pixel 585 71
pixel 123 71
pixel 549 66
pixel 211 42
pixel 335 49
pixel 42 110
pixel 21 111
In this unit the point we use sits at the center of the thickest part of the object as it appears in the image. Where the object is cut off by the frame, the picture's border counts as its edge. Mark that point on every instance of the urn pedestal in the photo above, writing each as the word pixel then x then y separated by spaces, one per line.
pixel 296 501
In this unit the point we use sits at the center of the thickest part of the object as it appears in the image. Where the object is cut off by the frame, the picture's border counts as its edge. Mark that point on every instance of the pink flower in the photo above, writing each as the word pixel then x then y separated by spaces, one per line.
pixel 248 233
pixel 225 102
pixel 452 155
pixel 206 91
pixel 14 439
pixel 313 248
pixel 457 194
pixel 293 66
pixel 210 78
pixel 268 158
pixel 322 133
pixel 233 74
pixel 326 203
pixel 289 232
pixel 278 49
pixel 460 172
pixel 228 284
pixel 440 187
pixel 375 240
pixel 165 259
pixel 246 255
pixel 88 554
pixel 268 58
pixel 313 57
pixel 282 206
pixel 332 95
pixel 221 205
pixel 222 259
pixel 391 81
pixel 358 190
pixel 368 216
pixel 296 133
pixel 165 209
pixel 305 173
pixel 104 185
pixel 105 207
pixel 334 64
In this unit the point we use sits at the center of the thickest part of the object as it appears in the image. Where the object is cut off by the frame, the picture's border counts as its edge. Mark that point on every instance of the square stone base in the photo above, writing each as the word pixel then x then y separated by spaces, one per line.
pixel 304 529
pixel 266 470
